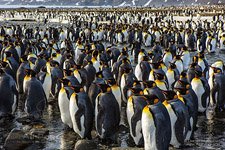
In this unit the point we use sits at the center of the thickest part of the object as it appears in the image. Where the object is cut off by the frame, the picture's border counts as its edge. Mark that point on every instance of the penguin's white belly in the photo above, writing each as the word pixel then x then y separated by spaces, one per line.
pixel 96 65
pixel 171 80
pixel 199 91
pixel 78 77
pixel 151 76
pixel 130 113
pixel 117 93
pixel 173 119
pixel 149 131
pixel 148 41
pixel 47 85
pixel 167 58
pixel 64 109
pixel 138 72
pixel 73 110
pixel 186 60
pixel 180 66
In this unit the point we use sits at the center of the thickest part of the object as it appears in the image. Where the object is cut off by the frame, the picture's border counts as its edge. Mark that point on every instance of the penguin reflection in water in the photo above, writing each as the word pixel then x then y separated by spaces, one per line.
pixel 107 113
pixel 35 96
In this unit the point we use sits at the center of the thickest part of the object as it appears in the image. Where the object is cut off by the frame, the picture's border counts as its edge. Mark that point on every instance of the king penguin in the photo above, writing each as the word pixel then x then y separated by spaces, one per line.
pixel 179 118
pixel 201 88
pixel 81 112
pixel 107 114
pixel 156 126
pixel 135 105
pixel 64 102
pixel 46 81
pixel 9 94
pixel 35 96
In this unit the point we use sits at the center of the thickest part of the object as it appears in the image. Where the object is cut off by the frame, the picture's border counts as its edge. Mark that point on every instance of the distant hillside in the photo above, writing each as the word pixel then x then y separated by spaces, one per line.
pixel 109 2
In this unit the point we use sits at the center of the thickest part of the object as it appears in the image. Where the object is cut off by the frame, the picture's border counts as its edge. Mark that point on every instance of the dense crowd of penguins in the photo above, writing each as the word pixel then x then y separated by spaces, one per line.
pixel 146 68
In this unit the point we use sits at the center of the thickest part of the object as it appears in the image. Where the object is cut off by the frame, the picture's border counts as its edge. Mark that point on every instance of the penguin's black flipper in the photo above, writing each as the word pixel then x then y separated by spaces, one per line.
pixel 100 118
pixel 78 115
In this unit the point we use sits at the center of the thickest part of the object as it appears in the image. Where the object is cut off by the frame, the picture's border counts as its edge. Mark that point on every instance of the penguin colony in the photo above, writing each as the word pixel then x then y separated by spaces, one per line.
pixel 162 87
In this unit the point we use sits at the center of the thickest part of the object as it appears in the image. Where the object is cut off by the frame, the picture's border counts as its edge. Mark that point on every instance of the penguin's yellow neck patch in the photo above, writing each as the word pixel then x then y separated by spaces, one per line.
pixel 165 103
pixel 181 98
pixel 147 112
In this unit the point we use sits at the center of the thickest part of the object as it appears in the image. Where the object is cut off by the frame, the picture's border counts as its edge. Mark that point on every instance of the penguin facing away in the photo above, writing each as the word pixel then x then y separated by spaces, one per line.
pixel 107 114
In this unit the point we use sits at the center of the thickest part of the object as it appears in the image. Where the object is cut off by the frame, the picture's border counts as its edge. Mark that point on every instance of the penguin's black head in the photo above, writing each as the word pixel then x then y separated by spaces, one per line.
pixel 104 87
pixel 142 50
pixel 181 90
pixel 183 74
pixel 8 54
pixel 99 75
pixel 127 70
pixel 77 88
pixel 67 72
pixel 156 65
pixel 178 57
pixel 216 70
pixel 182 84
pixel 145 58
pixel 172 65
pixel 65 82
pixel 78 66
pixel 198 72
pixel 151 99
pixel 149 84
pixel 193 65
pixel 30 72
pixel 54 54
pixel 137 91
pixel 111 81
pixel 54 63
pixel 159 75
pixel 169 95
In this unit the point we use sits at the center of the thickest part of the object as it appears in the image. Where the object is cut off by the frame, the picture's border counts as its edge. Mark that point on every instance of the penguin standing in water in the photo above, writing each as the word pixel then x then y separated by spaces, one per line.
pixel 201 88
pixel 135 105
pixel 35 96
pixel 179 118
pixel 64 102
pixel 9 94
pixel 107 113
pixel 156 125
pixel 81 112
